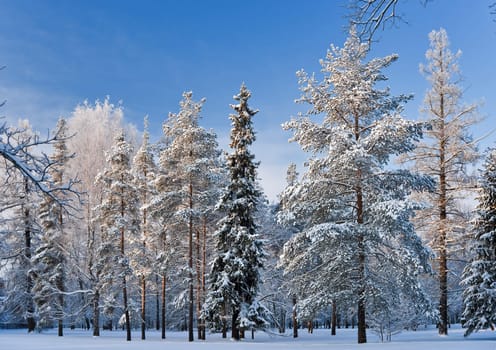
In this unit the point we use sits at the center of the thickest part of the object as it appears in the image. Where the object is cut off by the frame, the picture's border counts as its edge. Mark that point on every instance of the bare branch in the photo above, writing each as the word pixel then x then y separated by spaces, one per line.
pixel 370 15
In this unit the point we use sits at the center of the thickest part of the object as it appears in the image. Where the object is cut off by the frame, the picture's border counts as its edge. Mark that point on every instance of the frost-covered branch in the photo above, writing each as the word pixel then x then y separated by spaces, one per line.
pixel 15 149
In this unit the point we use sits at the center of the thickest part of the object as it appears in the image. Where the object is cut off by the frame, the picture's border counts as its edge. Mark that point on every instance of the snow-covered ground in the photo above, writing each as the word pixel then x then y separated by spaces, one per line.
pixel 425 339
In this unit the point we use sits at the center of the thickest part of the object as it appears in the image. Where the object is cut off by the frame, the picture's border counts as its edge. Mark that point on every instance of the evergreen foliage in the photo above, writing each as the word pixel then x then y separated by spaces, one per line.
pixel 235 276
pixel 479 276
pixel 357 245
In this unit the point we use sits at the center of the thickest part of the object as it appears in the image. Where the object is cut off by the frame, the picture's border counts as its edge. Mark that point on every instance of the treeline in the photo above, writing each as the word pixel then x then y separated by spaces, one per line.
pixel 108 231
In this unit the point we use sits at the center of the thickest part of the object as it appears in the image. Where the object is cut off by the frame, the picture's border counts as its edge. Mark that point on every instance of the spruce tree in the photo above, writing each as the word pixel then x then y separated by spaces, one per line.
pixel 234 277
pixel 49 261
pixel 479 276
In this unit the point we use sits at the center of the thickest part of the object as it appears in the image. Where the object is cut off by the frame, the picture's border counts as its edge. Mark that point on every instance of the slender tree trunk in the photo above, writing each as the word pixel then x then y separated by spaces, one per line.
pixel 124 282
pixel 29 281
pixel 282 320
pixel 200 277
pixel 442 239
pixel 224 321
pixel 60 282
pixel 27 255
pixel 334 318
pixel 362 324
pixel 204 272
pixel 96 313
pixel 143 307
pixel 90 243
pixel 164 281
pixel 143 278
pixel 124 296
pixel 295 319
pixel 234 325
pixel 157 305
pixel 198 285
pixel 190 265
pixel 126 310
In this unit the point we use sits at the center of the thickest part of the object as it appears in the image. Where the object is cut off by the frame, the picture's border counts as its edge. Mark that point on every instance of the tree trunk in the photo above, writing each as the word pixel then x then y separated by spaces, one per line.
pixel 204 271
pixel 124 283
pixel 334 318
pixel 157 305
pixel 96 313
pixel 224 321
pixel 200 276
pixel 143 307
pixel 27 255
pixel 295 319
pixel 362 324
pixel 443 289
pixel 442 243
pixel 234 325
pixel 198 286
pixel 362 332
pixel 164 280
pixel 190 265
pixel 126 310
pixel 143 278
pixel 60 281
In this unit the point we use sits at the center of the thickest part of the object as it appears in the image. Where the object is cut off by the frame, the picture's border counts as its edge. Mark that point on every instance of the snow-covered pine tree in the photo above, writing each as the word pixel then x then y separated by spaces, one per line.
pixel 49 261
pixel 119 221
pixel 479 276
pixel 444 154
pixel 192 161
pixel 234 276
pixel 353 206
pixel 168 243
pixel 144 169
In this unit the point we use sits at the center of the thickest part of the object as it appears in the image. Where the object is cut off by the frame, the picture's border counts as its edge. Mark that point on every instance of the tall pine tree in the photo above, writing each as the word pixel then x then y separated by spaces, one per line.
pixel 357 244
pixel 144 169
pixel 479 276
pixel 234 277
pixel 190 170
pixel 118 218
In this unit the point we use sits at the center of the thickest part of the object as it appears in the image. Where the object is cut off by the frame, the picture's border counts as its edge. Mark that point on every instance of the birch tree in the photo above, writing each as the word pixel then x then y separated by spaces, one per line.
pixel 93 127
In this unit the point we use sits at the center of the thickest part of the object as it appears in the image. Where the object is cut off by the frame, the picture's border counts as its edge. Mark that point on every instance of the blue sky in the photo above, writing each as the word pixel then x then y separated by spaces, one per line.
pixel 146 53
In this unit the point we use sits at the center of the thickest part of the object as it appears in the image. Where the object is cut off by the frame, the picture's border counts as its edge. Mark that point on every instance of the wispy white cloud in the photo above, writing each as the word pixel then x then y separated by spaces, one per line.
pixel 42 109
pixel 275 153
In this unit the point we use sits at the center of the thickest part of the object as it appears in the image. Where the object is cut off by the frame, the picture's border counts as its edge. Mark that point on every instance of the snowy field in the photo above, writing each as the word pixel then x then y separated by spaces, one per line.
pixel 425 339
